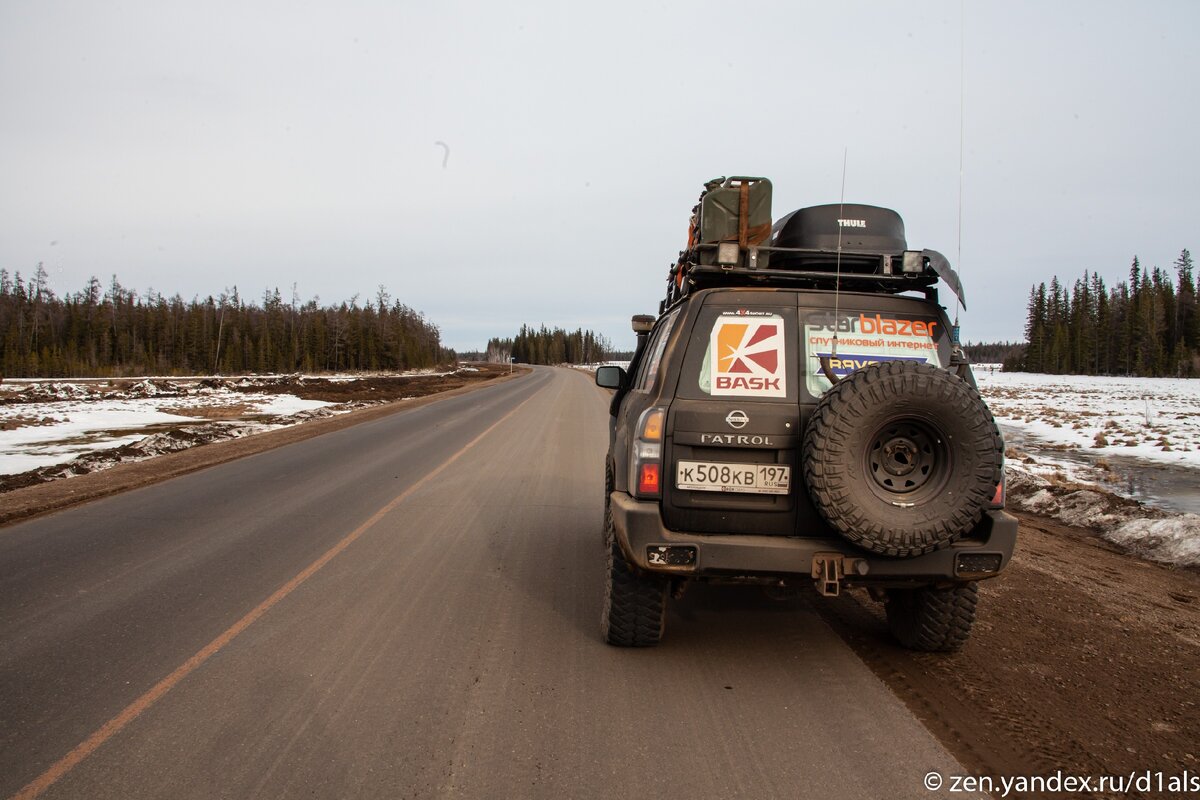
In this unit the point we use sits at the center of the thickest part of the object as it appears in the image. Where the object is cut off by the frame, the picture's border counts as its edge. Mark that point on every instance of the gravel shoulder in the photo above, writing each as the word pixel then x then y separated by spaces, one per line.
pixel 1084 659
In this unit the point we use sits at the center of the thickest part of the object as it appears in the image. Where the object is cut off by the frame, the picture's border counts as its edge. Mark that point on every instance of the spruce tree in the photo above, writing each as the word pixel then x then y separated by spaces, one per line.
pixel 1035 329
pixel 1188 320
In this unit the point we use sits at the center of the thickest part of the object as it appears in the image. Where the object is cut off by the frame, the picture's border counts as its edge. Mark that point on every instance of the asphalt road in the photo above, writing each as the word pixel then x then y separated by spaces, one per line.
pixel 410 608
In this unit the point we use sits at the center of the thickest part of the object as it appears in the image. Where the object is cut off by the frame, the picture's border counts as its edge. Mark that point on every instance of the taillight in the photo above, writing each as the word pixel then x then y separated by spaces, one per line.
pixel 648 480
pixel 650 426
pixel 1001 492
pixel 645 457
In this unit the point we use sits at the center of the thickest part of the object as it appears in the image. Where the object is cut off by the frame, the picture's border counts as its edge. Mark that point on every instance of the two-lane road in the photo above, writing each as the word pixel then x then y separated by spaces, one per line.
pixel 409 608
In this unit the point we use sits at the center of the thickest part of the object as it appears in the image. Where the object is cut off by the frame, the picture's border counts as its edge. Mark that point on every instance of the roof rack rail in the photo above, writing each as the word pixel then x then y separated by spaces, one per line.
pixel 891 273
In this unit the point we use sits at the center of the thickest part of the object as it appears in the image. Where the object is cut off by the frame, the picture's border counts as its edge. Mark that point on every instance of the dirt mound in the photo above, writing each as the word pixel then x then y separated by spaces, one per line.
pixel 50 392
pixel 371 389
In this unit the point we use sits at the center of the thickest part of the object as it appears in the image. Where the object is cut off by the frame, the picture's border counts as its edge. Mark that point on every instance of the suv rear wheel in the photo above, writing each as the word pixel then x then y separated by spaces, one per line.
pixel 606 532
pixel 902 458
pixel 934 620
pixel 634 613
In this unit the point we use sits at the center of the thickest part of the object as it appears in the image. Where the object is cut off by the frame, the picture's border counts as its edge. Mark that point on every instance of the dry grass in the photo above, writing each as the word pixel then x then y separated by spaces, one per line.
pixel 15 423
pixel 234 411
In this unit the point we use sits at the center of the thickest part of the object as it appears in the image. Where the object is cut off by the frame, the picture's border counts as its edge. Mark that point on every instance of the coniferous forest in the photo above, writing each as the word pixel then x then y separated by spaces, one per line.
pixel 1147 326
pixel 545 346
pixel 112 331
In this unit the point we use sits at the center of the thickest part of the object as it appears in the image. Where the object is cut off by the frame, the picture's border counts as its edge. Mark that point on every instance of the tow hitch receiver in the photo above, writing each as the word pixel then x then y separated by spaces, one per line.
pixel 828 570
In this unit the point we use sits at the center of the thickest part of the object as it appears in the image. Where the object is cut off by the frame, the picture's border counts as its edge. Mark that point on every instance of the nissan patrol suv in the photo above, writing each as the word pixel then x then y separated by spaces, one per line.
pixel 798 411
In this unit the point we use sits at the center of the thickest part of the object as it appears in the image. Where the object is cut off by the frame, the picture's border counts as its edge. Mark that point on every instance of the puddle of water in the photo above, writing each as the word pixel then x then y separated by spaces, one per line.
pixel 1170 487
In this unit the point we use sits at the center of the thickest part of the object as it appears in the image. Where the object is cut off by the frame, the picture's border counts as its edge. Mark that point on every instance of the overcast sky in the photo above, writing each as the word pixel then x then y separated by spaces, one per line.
pixel 190 147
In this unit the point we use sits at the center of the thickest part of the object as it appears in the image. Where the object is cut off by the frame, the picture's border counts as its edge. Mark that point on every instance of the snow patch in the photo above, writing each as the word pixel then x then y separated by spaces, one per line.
pixel 1146 532
pixel 286 405
pixel 80 419
pixel 593 367
pixel 1174 540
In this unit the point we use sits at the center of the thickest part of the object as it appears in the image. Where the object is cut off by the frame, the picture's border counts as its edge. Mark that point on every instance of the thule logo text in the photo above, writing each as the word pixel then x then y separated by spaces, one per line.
pixel 852 223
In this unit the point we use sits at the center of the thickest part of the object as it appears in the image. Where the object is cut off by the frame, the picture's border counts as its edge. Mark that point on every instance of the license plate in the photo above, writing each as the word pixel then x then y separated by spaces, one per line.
pixel 708 476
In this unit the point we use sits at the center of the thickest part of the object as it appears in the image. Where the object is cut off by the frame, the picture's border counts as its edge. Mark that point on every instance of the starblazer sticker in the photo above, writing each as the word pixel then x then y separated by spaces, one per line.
pixel 863 340
pixel 750 357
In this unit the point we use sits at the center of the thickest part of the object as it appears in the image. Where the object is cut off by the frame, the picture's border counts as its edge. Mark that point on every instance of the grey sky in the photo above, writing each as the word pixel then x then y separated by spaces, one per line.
pixel 189 147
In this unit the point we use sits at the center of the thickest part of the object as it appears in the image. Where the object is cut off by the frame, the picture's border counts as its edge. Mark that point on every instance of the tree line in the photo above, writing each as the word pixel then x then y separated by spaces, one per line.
pixel 546 346
pixel 1146 326
pixel 112 331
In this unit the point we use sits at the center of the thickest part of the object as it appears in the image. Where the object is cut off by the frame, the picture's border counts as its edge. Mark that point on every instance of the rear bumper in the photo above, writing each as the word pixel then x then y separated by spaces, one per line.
pixel 639 528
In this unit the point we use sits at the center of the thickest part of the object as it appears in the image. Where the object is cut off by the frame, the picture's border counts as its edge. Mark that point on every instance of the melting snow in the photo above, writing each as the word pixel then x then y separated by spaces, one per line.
pixel 70 420
pixel 1074 433
pixel 75 423
pixel 1156 419
pixel 1174 540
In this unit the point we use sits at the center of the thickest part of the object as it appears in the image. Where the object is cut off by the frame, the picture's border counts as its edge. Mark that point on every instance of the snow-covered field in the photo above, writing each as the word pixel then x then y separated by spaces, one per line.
pixel 48 423
pixel 89 424
pixel 1118 455
pixel 1157 419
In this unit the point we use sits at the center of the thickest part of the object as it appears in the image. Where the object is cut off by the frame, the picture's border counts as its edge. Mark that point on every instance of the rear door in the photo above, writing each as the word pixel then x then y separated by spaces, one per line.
pixel 733 430
pixel 750 379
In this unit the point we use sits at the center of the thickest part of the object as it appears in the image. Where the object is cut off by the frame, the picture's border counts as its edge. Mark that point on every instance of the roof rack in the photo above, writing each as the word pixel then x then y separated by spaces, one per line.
pixel 819 269
pixel 731 242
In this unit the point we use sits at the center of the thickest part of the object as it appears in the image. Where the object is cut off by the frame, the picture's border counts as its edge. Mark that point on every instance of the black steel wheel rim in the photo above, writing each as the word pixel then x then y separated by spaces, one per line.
pixel 907 461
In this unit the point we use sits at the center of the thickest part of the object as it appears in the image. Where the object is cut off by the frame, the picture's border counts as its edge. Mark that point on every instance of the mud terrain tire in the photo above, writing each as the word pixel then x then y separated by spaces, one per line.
pixel 902 458
pixel 606 531
pixel 634 612
pixel 933 620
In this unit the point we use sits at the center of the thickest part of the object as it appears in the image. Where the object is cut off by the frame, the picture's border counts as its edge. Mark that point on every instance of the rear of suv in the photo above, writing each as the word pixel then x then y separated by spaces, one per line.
pixel 790 423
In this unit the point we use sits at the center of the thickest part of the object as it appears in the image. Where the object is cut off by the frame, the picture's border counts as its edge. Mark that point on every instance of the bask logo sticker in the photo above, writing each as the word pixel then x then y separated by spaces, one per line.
pixel 749 355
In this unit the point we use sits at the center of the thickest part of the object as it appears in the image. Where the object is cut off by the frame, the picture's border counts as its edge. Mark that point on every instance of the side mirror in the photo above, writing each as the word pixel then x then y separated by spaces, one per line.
pixel 611 378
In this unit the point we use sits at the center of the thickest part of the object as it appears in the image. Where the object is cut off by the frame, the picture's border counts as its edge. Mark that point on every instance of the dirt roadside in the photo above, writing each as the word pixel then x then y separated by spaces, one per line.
pixel 1083 659
pixel 44 498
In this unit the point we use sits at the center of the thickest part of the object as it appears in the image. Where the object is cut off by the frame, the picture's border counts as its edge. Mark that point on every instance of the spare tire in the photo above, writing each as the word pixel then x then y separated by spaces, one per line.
pixel 902 458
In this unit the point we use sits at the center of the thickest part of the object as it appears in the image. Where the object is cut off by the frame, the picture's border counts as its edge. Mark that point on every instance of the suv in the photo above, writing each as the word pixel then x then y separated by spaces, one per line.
pixel 800 411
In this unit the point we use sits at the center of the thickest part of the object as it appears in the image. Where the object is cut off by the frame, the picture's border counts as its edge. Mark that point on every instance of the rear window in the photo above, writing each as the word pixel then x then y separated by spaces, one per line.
pixel 867 338
pixel 742 353
pixel 649 371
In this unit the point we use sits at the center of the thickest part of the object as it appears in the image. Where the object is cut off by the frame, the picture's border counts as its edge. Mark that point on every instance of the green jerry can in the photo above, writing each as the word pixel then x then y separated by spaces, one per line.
pixel 734 211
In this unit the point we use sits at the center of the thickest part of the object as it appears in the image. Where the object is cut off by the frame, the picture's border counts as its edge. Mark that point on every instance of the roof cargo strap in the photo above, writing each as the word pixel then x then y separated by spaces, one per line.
pixel 743 213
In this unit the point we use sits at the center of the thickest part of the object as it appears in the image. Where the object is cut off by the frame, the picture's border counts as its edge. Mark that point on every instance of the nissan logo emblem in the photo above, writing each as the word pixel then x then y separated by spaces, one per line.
pixel 737 419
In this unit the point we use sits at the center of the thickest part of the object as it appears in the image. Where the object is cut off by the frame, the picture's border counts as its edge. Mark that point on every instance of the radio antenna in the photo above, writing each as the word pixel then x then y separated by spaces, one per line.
pixel 837 286
pixel 962 60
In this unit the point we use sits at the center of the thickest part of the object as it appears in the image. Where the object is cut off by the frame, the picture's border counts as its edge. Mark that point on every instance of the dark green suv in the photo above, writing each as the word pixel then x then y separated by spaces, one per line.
pixel 789 424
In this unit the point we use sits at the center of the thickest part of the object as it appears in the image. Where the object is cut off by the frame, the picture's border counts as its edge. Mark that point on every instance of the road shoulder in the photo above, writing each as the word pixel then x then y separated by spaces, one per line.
pixel 1083 658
